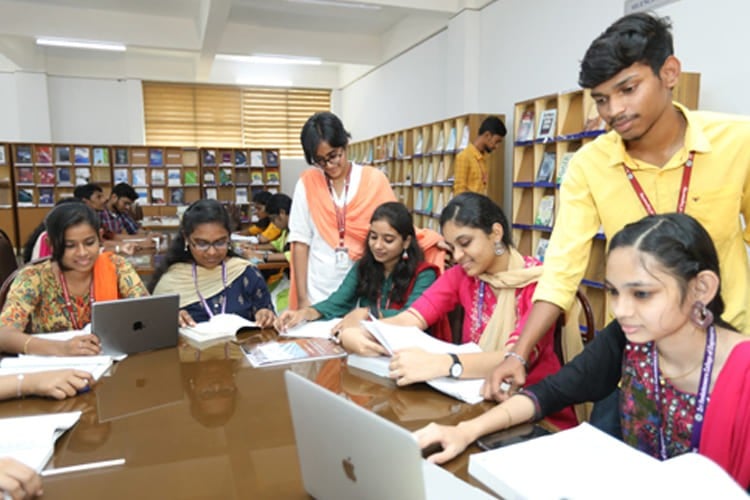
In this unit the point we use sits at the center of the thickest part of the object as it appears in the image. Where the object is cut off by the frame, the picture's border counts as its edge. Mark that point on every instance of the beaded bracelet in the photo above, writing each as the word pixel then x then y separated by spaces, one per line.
pixel 511 354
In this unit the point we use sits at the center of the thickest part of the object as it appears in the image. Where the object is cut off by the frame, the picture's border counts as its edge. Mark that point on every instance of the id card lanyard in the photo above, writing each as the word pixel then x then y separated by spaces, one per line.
pixel 69 304
pixel 223 297
pixel 700 401
pixel 341 250
pixel 684 186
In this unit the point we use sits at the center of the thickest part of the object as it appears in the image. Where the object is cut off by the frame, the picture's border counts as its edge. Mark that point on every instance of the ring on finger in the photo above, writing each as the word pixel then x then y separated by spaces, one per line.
pixel 505 386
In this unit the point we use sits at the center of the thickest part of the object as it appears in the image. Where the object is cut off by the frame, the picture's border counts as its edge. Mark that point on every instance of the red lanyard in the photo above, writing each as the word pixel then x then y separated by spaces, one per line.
pixel 681 202
pixel 341 212
pixel 69 304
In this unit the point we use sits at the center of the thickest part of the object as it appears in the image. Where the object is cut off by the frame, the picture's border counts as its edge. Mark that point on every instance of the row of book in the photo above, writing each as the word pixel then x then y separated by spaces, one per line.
pixel 394 149
pixel 59 155
pixel 51 176
pixel 177 177
pixel 546 171
pixel 546 128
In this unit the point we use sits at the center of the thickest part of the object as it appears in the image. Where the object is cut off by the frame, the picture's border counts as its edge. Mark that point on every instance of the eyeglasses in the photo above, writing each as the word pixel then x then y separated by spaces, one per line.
pixel 204 246
pixel 332 159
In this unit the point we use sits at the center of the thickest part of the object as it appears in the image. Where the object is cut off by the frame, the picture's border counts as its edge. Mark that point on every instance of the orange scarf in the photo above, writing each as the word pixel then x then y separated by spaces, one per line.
pixel 105 278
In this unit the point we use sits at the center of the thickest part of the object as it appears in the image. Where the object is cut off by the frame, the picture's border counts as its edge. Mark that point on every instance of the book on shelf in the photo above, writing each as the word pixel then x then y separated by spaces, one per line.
pixel 211 194
pixel 400 146
pixel 240 195
pixel 547 122
pixel 46 176
pixel 464 138
pixel 256 179
pixel 391 148
pixel 601 462
pixel 101 156
pixel 2 154
pixel 451 146
pixel 139 177
pixel 83 176
pixel 440 203
pixel 174 177
pixel 428 204
pixel 418 144
pixel 157 177
pixel 226 158
pixel 63 175
pixel 225 176
pixel 209 157
pixel 240 158
pixel 440 175
pixel 177 196
pixel 142 193
pixel 62 155
pixel 272 158
pixel 295 350
pixel 525 130
pixel 191 178
pixel 564 161
pixel 46 196
pixel 420 200
pixel 25 175
pixel 541 249
pixel 272 177
pixel 43 155
pixel 121 156
pixel 82 155
pixel 440 144
pixel 545 211
pixel 546 167
pixel 25 197
pixel 23 155
pixel 209 177
pixel 220 326
pixel 256 158
pixel 155 157
pixel 157 196
pixel 368 159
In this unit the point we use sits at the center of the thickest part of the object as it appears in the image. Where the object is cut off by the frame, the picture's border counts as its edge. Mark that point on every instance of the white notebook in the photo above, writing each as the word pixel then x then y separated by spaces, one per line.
pixel 31 440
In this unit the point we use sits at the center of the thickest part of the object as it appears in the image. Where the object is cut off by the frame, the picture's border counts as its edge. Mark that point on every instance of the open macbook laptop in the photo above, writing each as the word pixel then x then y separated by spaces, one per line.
pixel 129 326
pixel 346 451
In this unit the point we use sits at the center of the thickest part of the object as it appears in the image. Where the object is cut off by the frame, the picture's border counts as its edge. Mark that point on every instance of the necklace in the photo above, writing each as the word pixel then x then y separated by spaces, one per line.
pixel 69 304
pixel 663 376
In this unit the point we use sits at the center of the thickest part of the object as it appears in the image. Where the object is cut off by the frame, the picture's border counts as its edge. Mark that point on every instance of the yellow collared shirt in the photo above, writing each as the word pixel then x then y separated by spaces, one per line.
pixel 470 171
pixel 597 193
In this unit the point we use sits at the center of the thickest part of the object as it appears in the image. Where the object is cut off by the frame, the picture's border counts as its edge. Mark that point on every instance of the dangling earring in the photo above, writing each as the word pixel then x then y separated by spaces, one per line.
pixel 186 246
pixel 404 255
pixel 499 248
pixel 701 315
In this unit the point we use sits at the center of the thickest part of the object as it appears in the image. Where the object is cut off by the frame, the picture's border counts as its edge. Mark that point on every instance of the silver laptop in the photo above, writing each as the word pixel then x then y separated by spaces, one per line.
pixel 346 451
pixel 129 326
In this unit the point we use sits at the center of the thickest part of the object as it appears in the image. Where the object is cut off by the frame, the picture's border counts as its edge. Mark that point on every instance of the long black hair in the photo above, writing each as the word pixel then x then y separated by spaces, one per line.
pixel 681 246
pixel 62 217
pixel 200 212
pixel 476 211
pixel 371 273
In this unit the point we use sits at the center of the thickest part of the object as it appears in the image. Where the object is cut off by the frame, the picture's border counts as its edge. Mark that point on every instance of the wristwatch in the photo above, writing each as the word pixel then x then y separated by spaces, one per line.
pixel 456 368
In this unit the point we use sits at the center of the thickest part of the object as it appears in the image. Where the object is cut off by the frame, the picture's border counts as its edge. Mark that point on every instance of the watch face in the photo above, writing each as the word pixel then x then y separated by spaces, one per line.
pixel 456 370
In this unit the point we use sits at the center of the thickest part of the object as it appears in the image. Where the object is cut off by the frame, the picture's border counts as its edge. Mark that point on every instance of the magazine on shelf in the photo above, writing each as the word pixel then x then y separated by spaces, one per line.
pixel 121 156
pixel 418 144
pixel 451 146
pixel 101 156
pixel 256 158
pixel 46 196
pixel 82 155
pixel 47 176
pixel 191 178
pixel 225 176
pixel 209 177
pixel 25 197
pixel 62 155
pixel 23 155
pixel 256 179
pixel 25 175
pixel 541 249
pixel 157 177
pixel 272 177
pixel 240 158
pixel 209 157
pixel 240 195
pixel 43 155
pixel 139 177
pixel 272 158
pixel 564 161
pixel 155 157
pixel 546 167
pixel 142 193
pixel 2 154
pixel 295 350
pixel 525 130
pixel 174 177
pixel 464 138
pixel 157 196
pixel 63 175
pixel 211 194
pixel 545 212
pixel 226 158
pixel 547 122
pixel 83 176
pixel 177 196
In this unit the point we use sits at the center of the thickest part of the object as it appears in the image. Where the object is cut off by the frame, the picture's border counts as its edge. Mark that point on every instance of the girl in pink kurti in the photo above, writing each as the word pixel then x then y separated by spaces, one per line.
pixel 494 284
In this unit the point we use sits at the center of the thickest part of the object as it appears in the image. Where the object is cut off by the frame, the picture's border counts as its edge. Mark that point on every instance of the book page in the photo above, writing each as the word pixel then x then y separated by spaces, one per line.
pixel 220 325
pixel 320 329
pixel 31 440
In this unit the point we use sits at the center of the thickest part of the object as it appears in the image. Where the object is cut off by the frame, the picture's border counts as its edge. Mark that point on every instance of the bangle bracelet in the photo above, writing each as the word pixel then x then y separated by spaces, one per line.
pixel 20 378
pixel 511 354
pixel 26 345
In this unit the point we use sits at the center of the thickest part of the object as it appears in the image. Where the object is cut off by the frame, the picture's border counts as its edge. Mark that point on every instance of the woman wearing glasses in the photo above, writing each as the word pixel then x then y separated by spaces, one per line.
pixel 201 266
pixel 330 218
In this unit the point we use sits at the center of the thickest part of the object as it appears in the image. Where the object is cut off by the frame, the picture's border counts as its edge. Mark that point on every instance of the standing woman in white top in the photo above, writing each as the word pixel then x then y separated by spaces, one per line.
pixel 330 217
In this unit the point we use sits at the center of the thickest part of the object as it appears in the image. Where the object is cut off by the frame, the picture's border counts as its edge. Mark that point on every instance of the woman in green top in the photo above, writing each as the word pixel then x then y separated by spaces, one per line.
pixel 389 277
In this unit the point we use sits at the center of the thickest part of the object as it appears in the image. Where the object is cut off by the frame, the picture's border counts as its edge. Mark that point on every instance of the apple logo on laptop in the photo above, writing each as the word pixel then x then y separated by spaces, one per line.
pixel 138 325
pixel 349 469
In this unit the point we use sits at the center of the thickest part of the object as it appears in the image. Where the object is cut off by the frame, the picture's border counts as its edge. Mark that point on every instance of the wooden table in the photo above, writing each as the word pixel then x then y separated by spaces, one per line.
pixel 205 424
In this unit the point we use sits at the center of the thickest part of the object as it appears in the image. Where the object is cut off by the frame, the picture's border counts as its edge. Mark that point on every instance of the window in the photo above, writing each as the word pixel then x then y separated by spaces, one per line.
pixel 213 115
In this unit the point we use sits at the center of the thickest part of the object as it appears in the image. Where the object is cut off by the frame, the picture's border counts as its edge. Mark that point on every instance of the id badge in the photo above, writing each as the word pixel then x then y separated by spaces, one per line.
pixel 342 258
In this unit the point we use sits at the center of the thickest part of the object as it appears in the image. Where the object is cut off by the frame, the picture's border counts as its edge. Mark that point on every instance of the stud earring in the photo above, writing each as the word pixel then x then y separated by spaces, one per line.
pixel 701 315
pixel 404 255
pixel 499 248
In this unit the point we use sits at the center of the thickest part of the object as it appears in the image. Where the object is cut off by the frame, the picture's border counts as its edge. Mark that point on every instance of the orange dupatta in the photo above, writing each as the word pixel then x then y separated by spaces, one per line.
pixel 105 278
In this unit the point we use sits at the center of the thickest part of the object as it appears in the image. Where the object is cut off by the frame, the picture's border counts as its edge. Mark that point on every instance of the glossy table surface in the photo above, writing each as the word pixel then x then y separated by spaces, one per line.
pixel 205 424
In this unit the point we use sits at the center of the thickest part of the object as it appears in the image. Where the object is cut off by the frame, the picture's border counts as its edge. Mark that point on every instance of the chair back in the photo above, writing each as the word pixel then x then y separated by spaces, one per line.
pixel 5 287
pixel 8 260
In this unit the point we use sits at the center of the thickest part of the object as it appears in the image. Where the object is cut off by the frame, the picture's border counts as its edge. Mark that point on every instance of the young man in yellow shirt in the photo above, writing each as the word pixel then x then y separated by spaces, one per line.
pixel 471 172
pixel 678 160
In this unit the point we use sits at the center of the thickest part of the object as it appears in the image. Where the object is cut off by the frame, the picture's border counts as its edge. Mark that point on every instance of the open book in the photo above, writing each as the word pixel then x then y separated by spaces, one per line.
pixel 220 326
pixel 292 351
pixel 586 463
pixel 95 365
pixel 394 338
pixel 31 440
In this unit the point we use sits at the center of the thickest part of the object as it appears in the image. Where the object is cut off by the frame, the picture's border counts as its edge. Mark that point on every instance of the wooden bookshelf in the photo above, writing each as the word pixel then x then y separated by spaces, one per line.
pixel 419 163
pixel 577 123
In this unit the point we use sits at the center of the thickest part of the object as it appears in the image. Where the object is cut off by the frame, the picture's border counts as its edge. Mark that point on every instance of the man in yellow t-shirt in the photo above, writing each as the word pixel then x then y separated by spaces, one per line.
pixel 631 71
pixel 471 172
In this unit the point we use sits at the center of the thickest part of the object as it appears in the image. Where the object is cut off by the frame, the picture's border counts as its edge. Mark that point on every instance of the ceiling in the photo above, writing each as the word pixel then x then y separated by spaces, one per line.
pixel 178 40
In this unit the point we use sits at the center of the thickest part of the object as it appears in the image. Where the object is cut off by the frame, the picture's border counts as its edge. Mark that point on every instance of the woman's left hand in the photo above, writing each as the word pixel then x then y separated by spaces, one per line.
pixel 265 318
pixel 412 365
pixel 353 318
